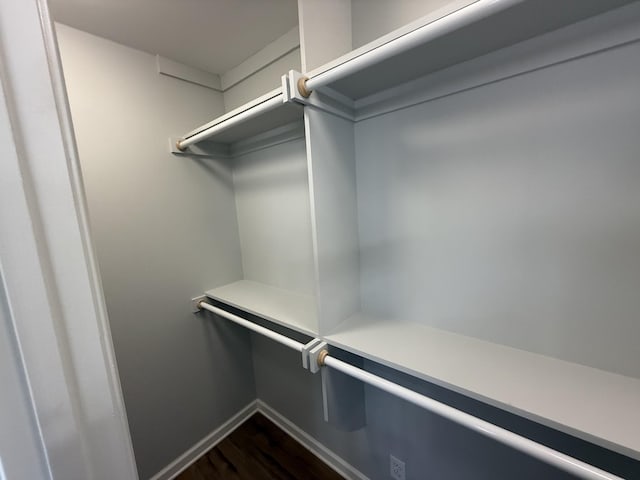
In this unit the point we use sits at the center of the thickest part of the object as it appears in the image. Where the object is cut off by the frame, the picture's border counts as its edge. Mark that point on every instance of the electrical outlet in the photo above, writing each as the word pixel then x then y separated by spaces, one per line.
pixel 397 468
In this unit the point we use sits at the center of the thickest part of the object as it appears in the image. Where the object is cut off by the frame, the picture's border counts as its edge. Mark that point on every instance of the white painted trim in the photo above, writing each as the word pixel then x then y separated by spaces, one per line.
pixel 194 453
pixel 334 461
pixel 178 70
pixel 274 51
pixel 189 457
pixel 49 270
pixel 332 104
pixel 263 58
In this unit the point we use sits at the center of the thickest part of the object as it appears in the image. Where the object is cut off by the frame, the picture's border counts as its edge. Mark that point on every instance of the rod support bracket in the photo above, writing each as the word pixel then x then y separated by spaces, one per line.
pixel 294 86
pixel 317 355
pixel 195 303
pixel 306 352
pixel 202 149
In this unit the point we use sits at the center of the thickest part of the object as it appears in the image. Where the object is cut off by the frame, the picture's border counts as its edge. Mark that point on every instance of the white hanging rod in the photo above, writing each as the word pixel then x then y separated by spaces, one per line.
pixel 265 106
pixel 506 437
pixel 431 31
pixel 513 440
pixel 289 342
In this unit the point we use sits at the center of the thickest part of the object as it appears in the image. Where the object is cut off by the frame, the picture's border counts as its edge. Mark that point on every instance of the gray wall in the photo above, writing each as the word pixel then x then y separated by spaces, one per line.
pixel 262 81
pixel 165 230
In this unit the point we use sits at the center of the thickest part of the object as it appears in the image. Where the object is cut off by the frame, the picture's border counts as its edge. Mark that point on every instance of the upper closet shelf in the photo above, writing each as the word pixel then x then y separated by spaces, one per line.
pixel 431 44
pixel 592 404
pixel 264 113
pixel 289 309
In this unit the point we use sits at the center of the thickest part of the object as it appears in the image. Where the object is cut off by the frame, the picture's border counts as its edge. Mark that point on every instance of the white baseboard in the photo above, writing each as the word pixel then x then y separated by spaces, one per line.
pixel 190 456
pixel 334 461
pixel 338 464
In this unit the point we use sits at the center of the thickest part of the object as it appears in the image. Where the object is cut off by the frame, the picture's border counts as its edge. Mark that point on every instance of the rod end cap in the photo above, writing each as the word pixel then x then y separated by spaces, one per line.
pixel 321 356
pixel 302 87
pixel 179 146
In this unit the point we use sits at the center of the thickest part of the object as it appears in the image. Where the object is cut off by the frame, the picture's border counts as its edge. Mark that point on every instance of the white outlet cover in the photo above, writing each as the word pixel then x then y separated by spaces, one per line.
pixel 397 468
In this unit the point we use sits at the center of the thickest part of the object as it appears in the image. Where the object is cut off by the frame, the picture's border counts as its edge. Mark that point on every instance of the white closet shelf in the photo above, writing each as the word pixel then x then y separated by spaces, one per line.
pixel 249 120
pixel 284 307
pixel 447 46
pixel 595 405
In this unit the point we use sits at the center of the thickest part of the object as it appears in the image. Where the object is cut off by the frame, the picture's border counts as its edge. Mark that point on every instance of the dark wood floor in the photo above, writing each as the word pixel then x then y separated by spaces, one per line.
pixel 259 450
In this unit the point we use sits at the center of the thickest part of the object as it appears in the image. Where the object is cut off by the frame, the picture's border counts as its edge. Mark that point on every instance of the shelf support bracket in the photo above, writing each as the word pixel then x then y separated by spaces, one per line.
pixel 195 303
pixel 294 88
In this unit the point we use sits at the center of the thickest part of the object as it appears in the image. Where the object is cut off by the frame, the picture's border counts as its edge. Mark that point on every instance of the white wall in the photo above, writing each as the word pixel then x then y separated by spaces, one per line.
pixel 272 200
pixel 165 230
pixel 509 212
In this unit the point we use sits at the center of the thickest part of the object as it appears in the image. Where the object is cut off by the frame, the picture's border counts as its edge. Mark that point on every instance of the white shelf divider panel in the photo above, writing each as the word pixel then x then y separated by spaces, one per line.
pixel 595 405
pixel 502 27
pixel 293 310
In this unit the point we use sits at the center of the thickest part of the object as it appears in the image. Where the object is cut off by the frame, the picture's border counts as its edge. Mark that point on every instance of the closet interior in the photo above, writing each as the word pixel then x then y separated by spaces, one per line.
pixel 452 196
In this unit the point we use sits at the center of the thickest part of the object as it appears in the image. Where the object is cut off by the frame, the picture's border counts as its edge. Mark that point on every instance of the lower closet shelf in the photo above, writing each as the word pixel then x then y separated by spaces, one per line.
pixel 290 309
pixel 592 404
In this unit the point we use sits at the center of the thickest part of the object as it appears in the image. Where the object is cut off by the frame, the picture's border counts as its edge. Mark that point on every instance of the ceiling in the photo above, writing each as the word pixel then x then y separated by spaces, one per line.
pixel 213 35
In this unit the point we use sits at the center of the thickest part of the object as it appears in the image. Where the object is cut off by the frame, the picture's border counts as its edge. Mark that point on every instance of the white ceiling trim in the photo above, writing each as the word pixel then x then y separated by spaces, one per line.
pixel 269 54
pixel 178 70
pixel 265 57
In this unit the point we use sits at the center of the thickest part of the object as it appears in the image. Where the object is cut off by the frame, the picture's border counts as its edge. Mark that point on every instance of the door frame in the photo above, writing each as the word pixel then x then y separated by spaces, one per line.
pixel 50 278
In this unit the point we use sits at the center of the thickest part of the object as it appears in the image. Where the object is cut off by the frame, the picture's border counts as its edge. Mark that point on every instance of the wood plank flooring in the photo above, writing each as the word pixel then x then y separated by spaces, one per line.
pixel 259 450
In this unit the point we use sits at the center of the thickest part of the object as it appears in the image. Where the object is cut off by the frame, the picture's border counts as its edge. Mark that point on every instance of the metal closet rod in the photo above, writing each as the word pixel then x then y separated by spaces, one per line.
pixel 289 342
pixel 506 437
pixel 265 106
pixel 431 31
